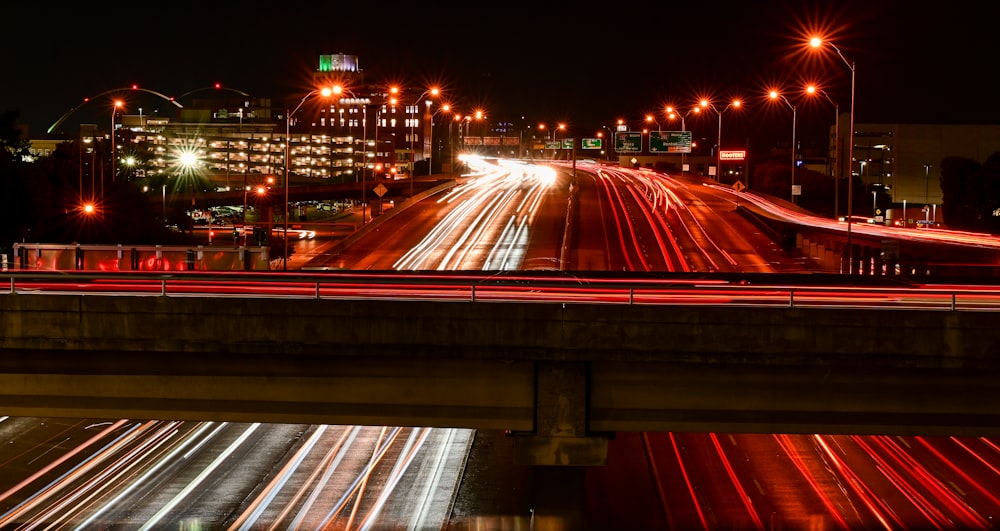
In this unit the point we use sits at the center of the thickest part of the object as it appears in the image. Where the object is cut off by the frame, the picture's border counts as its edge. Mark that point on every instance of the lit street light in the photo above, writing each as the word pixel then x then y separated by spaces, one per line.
pixel 718 146
pixel 434 91
pixel 811 89
pixel 430 159
pixel 774 94
pixel 673 113
pixel 118 105
pixel 816 42
pixel 326 92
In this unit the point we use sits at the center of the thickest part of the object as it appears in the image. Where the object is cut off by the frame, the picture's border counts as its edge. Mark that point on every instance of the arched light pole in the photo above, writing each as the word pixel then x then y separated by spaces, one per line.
pixel 816 42
pixel 705 104
pixel 339 90
pixel 812 89
pixel 673 113
pixel 430 161
pixel 775 95
pixel 433 91
pixel 118 104
pixel 326 92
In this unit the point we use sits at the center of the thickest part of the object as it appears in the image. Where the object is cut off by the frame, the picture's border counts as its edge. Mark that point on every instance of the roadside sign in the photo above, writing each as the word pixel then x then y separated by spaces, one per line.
pixel 380 190
pixel 591 143
pixel 628 142
pixel 796 189
pixel 739 186
pixel 670 141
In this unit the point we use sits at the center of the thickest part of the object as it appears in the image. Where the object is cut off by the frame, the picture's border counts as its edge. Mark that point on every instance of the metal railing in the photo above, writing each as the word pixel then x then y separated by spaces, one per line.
pixel 787 291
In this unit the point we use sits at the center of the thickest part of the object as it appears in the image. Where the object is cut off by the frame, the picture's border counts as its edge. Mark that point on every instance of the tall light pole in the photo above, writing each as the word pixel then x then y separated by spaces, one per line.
pixel 430 161
pixel 433 91
pixel 451 139
pixel 117 105
pixel 774 95
pixel 671 114
pixel 364 103
pixel 816 42
pixel 811 89
pixel 326 92
pixel 705 104
pixel 927 184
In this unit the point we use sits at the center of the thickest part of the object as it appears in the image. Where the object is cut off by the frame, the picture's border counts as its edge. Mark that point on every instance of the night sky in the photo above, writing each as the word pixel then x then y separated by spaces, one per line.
pixel 548 61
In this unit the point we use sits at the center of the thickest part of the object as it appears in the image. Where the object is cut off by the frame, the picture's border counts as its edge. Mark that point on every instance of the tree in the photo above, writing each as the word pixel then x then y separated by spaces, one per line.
pixel 13 149
pixel 42 200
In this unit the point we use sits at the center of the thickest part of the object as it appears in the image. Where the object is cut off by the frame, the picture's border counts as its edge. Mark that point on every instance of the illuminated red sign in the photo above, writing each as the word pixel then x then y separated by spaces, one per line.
pixel 733 155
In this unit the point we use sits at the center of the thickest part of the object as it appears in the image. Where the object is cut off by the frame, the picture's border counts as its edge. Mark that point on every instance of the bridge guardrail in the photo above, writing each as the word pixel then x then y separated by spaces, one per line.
pixel 541 289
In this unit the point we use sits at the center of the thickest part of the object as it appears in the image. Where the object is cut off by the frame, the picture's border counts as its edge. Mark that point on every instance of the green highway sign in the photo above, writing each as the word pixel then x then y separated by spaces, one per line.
pixel 553 144
pixel 567 143
pixel 628 142
pixel 591 143
pixel 670 141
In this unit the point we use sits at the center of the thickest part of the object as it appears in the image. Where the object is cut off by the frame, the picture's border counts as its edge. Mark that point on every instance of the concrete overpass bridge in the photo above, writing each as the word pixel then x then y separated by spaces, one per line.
pixel 561 365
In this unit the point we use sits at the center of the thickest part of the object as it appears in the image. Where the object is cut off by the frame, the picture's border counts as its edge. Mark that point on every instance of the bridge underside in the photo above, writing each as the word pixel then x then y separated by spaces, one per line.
pixel 561 378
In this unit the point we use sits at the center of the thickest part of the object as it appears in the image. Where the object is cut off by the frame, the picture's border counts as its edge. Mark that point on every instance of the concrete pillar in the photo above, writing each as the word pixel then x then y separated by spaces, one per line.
pixel 560 436
pixel 866 260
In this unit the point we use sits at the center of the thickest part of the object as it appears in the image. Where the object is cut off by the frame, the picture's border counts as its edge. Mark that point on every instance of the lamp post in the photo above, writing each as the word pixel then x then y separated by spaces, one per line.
pixel 816 42
pixel 774 94
pixel 705 104
pixel 434 91
pixel 927 184
pixel 326 92
pixel 671 114
pixel 811 89
pixel 117 105
pixel 451 139
pixel 430 160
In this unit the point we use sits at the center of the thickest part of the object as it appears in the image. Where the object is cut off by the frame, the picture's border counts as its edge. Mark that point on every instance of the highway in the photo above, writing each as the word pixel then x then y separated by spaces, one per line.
pixel 129 474
pixel 562 221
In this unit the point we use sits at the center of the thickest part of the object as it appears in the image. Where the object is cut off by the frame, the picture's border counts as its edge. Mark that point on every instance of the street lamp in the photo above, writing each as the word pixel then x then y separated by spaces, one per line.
pixel 118 105
pixel 927 184
pixel 326 92
pixel 673 113
pixel 774 94
pixel 433 91
pixel 451 139
pixel 816 42
pixel 811 89
pixel 705 104
pixel 430 160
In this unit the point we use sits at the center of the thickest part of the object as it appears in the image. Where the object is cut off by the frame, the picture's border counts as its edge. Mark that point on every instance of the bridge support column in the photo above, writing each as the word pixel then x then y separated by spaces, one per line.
pixel 560 437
